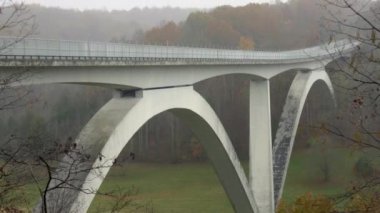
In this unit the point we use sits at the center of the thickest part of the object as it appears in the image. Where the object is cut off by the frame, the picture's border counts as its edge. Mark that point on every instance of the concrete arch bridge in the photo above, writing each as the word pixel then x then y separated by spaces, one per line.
pixel 149 80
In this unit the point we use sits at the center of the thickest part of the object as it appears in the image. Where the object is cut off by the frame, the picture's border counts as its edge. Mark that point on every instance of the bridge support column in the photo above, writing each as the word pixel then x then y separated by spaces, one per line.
pixel 260 138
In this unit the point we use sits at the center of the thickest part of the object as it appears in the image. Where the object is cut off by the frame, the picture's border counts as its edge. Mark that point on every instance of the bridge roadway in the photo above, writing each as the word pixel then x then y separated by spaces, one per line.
pixel 145 66
pixel 149 80
pixel 33 51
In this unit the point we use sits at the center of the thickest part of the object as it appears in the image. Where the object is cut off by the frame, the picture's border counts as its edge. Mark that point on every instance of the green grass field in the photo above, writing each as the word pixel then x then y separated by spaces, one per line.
pixel 167 188
pixel 194 187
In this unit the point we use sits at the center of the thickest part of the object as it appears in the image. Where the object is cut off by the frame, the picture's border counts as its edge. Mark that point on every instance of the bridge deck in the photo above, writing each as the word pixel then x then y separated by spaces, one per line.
pixel 44 52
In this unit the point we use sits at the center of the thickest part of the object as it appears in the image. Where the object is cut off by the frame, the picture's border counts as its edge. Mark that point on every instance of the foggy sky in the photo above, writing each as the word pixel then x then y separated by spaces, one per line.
pixel 129 4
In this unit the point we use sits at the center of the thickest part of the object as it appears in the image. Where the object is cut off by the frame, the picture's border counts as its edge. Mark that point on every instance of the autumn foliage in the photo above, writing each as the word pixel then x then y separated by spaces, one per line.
pixel 246 43
pixel 308 203
pixel 262 26
pixel 168 33
pixel 364 202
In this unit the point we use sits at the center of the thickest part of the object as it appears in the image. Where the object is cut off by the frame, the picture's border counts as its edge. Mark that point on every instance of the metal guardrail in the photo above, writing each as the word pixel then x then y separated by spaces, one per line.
pixel 11 46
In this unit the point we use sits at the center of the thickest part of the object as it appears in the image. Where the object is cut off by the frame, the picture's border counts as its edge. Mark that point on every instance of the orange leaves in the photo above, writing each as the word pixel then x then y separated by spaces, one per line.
pixel 308 203
pixel 196 149
pixel 169 33
pixel 320 204
pixel 364 203
pixel 246 43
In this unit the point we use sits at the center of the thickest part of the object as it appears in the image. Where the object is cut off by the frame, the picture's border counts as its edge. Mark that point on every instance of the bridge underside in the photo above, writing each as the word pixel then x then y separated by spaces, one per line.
pixel 145 77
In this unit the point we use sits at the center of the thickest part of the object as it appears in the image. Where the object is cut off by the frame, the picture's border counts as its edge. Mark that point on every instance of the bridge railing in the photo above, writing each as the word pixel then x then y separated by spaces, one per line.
pixel 64 48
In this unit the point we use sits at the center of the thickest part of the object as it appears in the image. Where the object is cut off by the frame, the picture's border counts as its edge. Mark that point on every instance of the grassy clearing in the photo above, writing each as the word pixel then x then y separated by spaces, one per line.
pixel 168 188
pixel 195 188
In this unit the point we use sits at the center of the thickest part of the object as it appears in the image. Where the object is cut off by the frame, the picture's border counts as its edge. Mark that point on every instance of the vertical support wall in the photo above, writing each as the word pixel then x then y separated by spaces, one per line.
pixel 260 138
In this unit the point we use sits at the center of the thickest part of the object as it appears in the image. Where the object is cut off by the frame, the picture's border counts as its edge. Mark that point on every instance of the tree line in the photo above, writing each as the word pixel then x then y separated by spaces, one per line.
pixel 290 25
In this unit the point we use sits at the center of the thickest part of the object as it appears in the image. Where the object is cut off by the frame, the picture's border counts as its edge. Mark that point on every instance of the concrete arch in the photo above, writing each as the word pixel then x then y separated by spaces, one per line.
pixel 111 128
pixel 288 125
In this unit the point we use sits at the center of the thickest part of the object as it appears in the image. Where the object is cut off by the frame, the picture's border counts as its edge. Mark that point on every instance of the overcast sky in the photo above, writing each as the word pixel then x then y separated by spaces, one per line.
pixel 128 4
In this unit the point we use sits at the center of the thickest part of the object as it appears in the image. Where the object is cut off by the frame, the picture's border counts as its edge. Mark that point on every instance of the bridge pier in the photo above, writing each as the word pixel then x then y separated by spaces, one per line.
pixel 260 146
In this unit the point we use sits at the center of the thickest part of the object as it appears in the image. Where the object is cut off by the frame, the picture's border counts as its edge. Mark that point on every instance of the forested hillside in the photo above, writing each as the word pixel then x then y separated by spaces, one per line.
pixel 97 25
pixel 289 25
